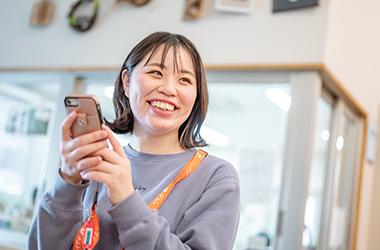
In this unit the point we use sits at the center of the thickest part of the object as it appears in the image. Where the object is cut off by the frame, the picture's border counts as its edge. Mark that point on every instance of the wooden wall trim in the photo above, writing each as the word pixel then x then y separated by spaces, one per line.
pixel 266 67
pixel 253 67
pixel 362 160
pixel 337 86
pixel 60 69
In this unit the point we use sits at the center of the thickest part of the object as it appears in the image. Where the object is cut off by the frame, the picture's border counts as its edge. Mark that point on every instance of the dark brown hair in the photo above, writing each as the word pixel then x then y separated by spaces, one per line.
pixel 189 132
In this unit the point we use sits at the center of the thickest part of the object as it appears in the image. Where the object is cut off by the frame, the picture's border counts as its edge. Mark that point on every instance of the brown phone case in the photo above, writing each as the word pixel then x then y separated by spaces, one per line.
pixel 89 116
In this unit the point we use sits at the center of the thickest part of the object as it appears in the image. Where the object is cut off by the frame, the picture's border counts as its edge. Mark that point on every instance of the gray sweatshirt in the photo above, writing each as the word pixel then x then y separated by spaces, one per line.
pixel 201 212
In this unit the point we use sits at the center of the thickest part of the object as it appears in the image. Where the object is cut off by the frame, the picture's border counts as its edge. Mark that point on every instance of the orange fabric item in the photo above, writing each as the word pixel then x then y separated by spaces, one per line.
pixel 88 235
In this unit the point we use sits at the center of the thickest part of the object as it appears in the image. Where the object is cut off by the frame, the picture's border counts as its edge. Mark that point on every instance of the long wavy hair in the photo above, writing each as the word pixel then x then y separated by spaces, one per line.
pixel 189 132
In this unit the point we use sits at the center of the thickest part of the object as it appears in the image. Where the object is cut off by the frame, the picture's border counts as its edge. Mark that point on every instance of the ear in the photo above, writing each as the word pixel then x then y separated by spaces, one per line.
pixel 125 79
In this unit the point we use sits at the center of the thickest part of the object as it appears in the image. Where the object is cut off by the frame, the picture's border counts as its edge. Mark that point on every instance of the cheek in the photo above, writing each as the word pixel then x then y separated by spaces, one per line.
pixel 189 102
pixel 135 102
pixel 191 97
pixel 133 99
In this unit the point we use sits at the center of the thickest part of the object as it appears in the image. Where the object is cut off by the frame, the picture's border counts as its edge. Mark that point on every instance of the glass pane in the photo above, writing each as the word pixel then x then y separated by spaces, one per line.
pixel 246 125
pixel 342 186
pixel 314 202
pixel 27 110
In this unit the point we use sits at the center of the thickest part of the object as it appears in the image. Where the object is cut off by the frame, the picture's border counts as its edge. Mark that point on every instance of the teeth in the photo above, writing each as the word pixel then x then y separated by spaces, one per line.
pixel 162 105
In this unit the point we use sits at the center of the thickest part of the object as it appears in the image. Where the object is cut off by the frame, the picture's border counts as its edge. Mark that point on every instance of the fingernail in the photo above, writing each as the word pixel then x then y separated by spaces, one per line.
pixel 72 113
pixel 84 176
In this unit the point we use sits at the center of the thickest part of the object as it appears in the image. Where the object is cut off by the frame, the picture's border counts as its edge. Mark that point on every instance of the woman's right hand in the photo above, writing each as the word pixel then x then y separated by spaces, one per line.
pixel 77 152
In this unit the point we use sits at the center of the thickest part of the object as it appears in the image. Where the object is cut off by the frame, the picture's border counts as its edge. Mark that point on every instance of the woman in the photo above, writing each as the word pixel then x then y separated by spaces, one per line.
pixel 161 99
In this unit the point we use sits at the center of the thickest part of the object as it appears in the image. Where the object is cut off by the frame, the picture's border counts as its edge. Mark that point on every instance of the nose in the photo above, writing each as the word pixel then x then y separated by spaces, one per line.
pixel 168 87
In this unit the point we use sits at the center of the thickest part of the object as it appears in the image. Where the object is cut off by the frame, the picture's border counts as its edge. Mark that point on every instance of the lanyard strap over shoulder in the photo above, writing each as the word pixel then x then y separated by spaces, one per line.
pixel 186 170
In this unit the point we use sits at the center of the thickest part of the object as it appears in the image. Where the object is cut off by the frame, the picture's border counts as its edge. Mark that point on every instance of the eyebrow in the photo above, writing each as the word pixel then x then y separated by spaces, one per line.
pixel 162 66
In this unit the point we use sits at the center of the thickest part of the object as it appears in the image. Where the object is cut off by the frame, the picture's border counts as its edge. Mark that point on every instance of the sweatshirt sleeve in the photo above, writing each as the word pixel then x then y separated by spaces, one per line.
pixel 58 218
pixel 211 223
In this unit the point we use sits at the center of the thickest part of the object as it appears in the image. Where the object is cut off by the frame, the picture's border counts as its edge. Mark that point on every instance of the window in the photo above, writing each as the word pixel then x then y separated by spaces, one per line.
pixel 25 131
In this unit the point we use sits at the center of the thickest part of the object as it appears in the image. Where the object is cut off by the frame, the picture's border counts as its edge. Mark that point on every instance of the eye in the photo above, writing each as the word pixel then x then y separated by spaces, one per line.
pixel 185 80
pixel 155 72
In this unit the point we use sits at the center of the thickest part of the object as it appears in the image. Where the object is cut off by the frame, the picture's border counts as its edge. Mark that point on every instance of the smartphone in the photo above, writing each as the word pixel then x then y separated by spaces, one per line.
pixel 89 115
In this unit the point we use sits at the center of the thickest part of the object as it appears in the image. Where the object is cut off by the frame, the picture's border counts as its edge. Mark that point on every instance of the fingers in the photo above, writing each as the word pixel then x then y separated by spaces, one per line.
pixel 66 126
pixel 115 143
pixel 74 150
pixel 79 153
pixel 116 177
pixel 86 150
pixel 86 139
pixel 88 163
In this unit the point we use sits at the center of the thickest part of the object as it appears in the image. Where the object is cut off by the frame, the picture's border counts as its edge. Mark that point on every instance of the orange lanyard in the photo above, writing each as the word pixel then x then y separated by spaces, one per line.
pixel 186 170
pixel 88 236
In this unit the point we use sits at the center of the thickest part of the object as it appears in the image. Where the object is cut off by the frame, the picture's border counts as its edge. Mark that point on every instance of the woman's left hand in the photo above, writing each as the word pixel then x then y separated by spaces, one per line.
pixel 114 171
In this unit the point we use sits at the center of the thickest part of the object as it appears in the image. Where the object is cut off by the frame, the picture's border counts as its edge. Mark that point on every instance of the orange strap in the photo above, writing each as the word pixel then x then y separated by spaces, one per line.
pixel 187 169
pixel 88 236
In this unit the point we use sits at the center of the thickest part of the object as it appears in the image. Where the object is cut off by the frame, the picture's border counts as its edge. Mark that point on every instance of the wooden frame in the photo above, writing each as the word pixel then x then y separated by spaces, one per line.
pixel 238 6
pixel 283 5
pixel 193 9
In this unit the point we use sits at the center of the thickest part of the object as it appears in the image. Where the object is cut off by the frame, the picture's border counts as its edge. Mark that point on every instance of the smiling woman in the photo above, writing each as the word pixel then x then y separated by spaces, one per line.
pixel 158 192
pixel 161 95
pixel 150 57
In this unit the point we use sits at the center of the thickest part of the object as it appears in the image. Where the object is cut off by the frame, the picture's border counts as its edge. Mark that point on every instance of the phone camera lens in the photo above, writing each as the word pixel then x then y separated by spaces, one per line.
pixel 72 102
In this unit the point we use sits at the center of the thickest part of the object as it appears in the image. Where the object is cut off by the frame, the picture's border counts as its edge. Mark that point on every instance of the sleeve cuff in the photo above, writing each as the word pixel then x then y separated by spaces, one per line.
pixel 65 195
pixel 130 212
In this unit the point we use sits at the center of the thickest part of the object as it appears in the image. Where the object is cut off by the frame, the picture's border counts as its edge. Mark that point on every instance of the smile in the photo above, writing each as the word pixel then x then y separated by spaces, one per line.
pixel 162 105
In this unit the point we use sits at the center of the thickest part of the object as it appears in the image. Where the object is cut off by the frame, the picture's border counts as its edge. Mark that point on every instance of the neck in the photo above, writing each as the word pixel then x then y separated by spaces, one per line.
pixel 156 144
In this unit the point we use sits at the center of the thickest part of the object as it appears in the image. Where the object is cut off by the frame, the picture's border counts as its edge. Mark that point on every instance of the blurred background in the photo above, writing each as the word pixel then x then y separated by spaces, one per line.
pixel 294 106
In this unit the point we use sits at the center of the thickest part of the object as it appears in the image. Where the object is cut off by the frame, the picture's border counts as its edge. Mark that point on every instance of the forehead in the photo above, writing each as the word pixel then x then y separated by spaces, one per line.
pixel 166 55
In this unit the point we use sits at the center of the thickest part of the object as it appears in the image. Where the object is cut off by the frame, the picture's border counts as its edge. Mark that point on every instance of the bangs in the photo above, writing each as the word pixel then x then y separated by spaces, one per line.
pixel 167 45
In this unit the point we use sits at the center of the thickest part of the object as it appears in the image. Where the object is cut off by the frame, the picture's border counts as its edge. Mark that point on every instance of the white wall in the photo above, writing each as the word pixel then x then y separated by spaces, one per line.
pixel 353 54
pixel 222 38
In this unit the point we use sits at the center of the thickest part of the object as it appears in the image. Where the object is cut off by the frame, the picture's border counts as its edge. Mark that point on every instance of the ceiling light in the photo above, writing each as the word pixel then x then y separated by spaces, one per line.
pixel 213 137
pixel 339 143
pixel 279 97
pixel 325 134
pixel 108 91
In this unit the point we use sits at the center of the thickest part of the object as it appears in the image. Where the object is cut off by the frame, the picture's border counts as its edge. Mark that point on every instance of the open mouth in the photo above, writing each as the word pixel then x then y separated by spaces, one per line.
pixel 163 105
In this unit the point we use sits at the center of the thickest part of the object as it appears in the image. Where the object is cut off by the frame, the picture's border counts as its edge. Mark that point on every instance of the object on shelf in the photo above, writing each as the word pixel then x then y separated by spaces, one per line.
pixel 41 13
pixel 83 14
pixel 236 6
pixel 193 9
pixel 282 5
pixel 134 2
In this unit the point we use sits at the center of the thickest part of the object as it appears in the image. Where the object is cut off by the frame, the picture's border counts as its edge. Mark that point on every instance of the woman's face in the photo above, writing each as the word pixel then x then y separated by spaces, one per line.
pixel 161 99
